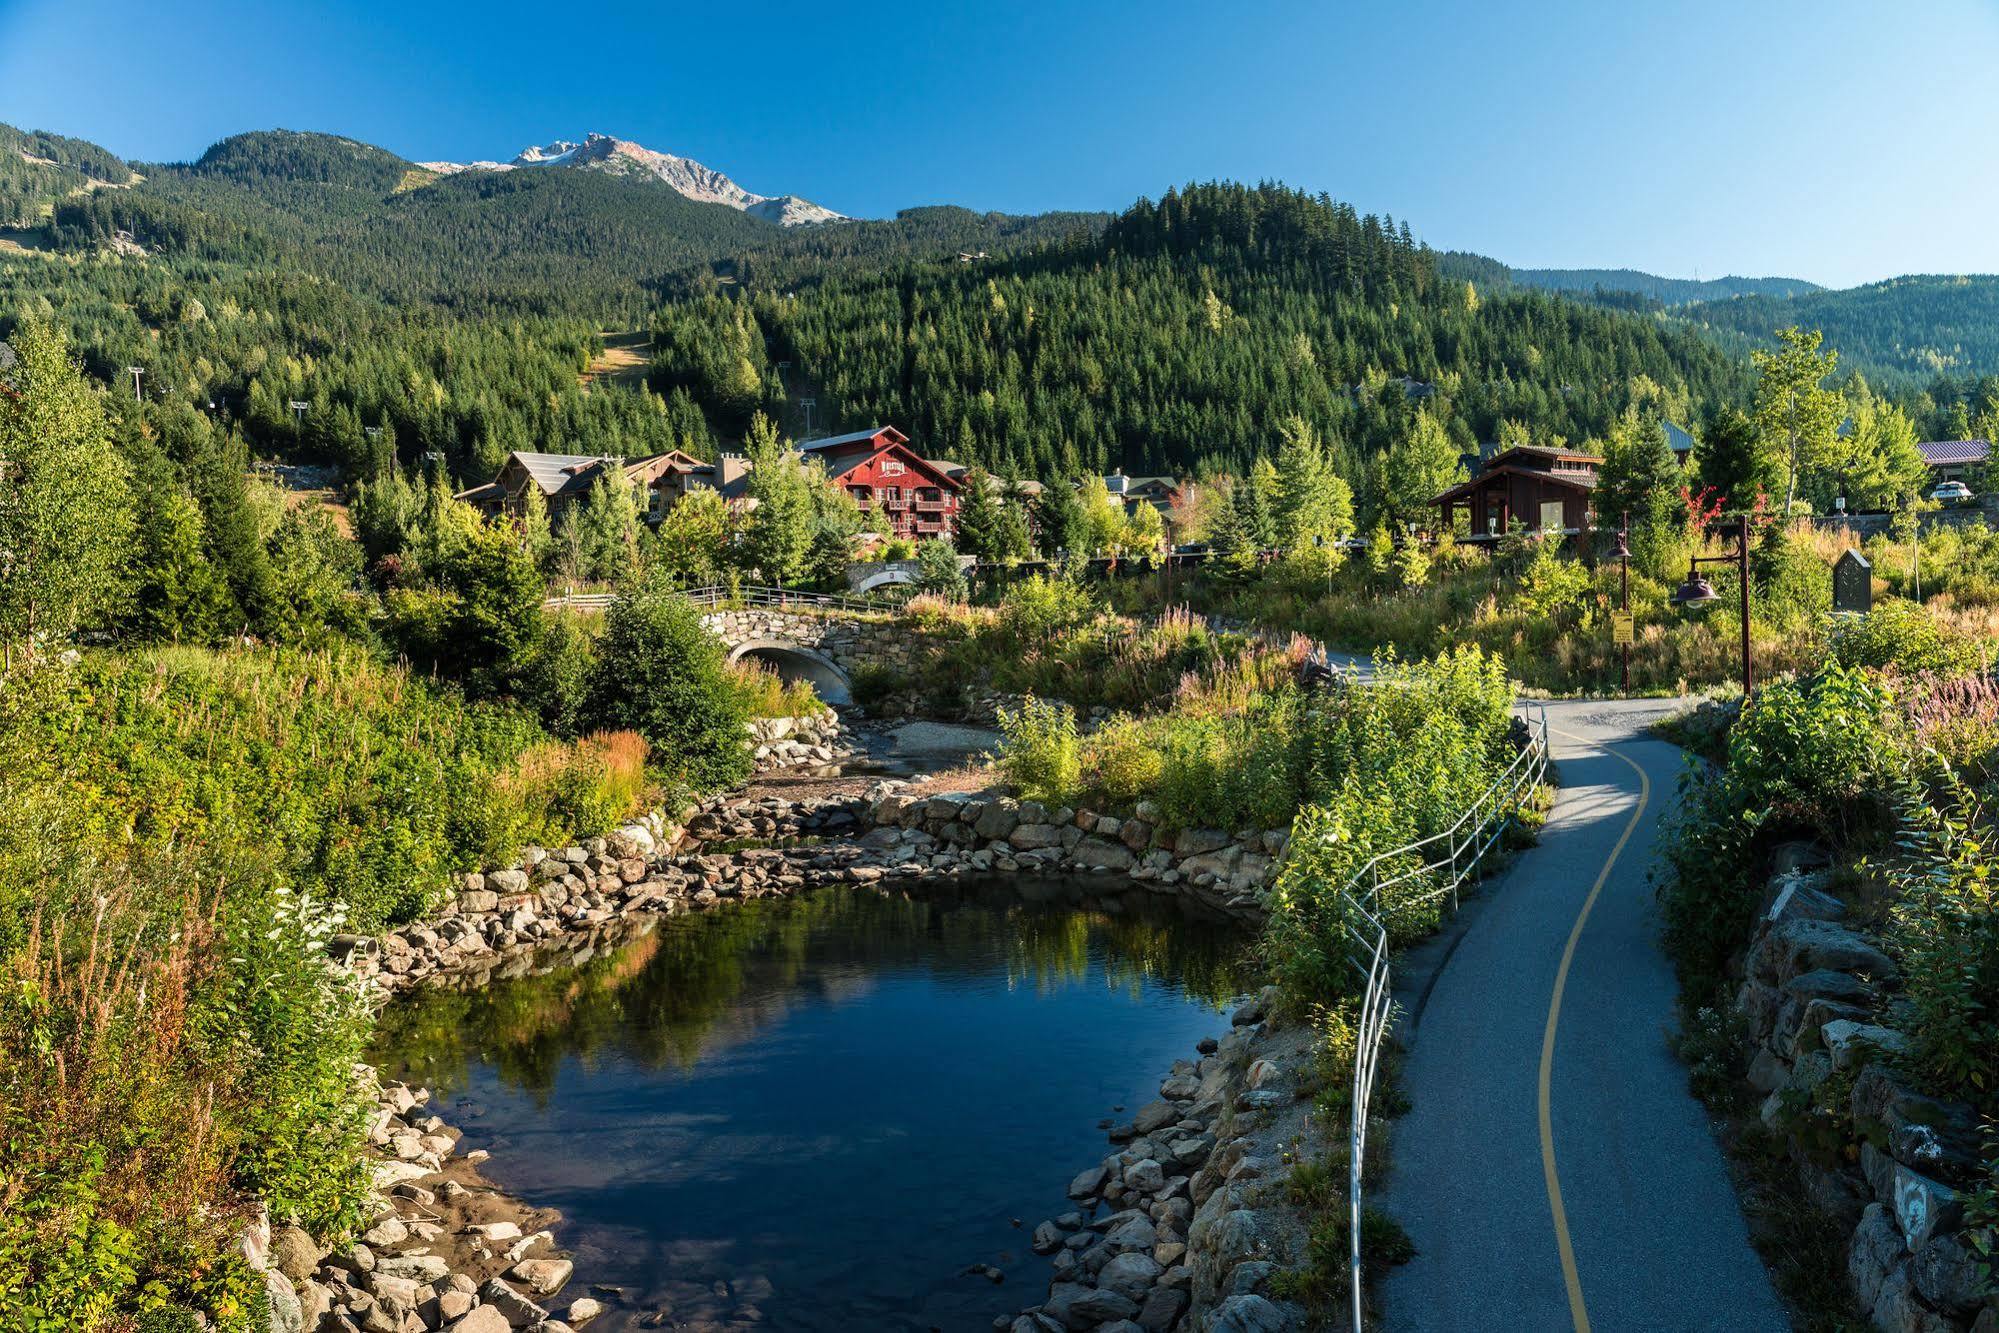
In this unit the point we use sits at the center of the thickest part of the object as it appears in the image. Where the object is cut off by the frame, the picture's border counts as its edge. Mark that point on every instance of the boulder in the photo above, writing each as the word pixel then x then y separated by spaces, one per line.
pixel 583 1309
pixel 1161 1310
pixel 1254 1314
pixel 1047 1238
pixel 295 1253
pixel 1924 1207
pixel 1099 854
pixel 1197 841
pixel 1947 1274
pixel 287 1314
pixel 1851 1043
pixel 483 1319
pixel 420 1269
pixel 507 881
pixel 1088 1183
pixel 1130 1275
pixel 1145 1176
pixel 520 1312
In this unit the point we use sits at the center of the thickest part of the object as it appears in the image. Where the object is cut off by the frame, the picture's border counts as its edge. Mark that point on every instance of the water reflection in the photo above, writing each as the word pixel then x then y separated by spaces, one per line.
pixel 813 1113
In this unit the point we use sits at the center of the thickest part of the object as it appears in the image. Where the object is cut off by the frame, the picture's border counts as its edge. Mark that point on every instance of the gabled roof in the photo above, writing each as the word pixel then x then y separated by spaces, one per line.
pixel 557 474
pixel 1579 481
pixel 1953 453
pixel 1541 451
pixel 1680 440
pixel 853 438
pixel 860 458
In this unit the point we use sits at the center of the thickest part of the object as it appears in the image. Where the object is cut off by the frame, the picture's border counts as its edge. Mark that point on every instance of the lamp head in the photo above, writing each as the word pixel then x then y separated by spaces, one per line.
pixel 1695 593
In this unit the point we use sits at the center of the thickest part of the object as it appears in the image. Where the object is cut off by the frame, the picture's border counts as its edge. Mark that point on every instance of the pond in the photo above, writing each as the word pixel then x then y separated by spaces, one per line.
pixel 816 1113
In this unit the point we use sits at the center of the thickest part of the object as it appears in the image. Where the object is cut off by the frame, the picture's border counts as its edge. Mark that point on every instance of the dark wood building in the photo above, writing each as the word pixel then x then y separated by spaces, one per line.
pixel 1546 490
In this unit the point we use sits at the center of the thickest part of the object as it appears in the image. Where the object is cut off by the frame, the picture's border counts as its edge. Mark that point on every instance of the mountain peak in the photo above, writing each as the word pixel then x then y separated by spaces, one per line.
pixel 623 157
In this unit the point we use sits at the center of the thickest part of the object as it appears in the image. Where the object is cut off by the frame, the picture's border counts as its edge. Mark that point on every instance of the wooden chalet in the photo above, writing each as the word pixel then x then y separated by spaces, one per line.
pixel 1546 490
pixel 565 478
pixel 878 468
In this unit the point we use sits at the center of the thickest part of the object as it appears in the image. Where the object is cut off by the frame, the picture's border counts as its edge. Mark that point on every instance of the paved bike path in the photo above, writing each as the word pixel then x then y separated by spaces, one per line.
pixel 1655 1239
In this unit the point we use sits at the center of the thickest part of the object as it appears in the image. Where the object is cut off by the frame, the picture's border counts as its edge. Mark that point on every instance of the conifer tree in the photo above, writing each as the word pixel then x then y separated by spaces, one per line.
pixel 778 543
pixel 65 514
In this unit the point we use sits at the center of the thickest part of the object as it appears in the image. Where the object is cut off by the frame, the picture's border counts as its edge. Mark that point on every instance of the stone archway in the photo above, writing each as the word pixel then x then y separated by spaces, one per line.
pixel 882 578
pixel 793 661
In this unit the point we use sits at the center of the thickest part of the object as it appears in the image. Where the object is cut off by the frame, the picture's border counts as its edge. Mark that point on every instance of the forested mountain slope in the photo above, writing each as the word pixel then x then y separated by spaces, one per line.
pixel 39 170
pixel 528 242
pixel 1182 336
pixel 422 314
pixel 1637 289
pixel 1906 329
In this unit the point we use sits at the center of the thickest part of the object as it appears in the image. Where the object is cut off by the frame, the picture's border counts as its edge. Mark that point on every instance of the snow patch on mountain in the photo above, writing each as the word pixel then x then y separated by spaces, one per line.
pixel 622 157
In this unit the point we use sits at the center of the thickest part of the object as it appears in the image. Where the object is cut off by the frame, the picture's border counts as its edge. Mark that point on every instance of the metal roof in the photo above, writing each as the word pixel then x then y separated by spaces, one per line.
pixel 1678 438
pixel 854 437
pixel 1951 453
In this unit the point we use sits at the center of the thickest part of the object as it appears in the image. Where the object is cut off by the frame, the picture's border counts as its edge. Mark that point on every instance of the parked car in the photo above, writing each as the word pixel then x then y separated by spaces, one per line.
pixel 1950 491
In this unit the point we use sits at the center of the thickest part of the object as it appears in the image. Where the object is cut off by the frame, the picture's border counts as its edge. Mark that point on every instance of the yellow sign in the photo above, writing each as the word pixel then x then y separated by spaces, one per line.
pixel 1622 630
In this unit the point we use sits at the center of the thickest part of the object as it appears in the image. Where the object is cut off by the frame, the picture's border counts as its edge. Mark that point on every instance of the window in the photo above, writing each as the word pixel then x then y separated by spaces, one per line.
pixel 892 494
pixel 1551 516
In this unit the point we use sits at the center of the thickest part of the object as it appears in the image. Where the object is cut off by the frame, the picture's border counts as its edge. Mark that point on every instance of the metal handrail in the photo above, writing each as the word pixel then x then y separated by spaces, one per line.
pixel 1465 845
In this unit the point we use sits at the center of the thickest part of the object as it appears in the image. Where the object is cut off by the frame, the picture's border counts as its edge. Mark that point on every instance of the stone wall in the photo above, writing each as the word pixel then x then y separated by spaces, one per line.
pixel 1226 871
pixel 850 642
pixel 1186 1223
pixel 1816 996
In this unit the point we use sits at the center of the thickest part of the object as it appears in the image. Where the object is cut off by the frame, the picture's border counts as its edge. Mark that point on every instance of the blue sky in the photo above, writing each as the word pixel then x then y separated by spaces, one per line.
pixel 1842 141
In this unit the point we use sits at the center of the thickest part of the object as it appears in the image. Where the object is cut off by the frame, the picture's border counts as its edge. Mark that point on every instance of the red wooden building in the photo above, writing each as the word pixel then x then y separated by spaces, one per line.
pixel 1545 490
pixel 878 468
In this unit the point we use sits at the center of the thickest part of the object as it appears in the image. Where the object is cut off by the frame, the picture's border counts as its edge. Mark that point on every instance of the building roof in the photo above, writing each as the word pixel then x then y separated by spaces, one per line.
pixel 1580 481
pixel 860 458
pixel 852 438
pixel 1679 439
pixel 1954 453
pixel 567 475
pixel 1542 451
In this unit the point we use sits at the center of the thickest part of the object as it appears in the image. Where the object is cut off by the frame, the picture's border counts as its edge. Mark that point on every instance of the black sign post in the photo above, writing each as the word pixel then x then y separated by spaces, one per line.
pixel 1852 584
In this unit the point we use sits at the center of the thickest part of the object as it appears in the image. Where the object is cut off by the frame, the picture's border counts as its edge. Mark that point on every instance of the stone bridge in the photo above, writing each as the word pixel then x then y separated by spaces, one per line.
pixel 824 647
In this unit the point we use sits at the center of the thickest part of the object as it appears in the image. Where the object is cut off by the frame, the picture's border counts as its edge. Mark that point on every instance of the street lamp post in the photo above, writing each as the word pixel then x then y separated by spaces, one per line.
pixel 1697 592
pixel 1623 553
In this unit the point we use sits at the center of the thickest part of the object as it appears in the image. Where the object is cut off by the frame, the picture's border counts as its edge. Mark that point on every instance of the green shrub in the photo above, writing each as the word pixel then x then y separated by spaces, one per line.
pixel 1121 760
pixel 1806 757
pixel 1039 608
pixel 1038 751
pixel 1899 634
pixel 662 674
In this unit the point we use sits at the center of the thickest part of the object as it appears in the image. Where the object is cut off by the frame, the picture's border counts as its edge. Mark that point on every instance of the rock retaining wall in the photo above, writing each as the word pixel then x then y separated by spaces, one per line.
pixel 1185 1223
pixel 1817 996
pixel 1225 871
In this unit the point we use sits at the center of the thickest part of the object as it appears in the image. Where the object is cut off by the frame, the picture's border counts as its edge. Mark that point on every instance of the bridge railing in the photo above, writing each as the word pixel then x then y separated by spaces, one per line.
pixel 1446 861
pixel 724 596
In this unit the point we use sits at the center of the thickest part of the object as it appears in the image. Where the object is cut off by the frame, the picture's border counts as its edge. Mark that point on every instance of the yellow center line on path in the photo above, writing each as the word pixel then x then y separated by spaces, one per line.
pixel 1578 1313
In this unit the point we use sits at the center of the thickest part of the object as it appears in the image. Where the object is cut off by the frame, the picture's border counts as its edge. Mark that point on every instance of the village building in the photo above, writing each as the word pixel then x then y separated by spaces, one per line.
pixel 563 479
pixel 1163 493
pixel 1953 460
pixel 728 476
pixel 1544 490
pixel 878 468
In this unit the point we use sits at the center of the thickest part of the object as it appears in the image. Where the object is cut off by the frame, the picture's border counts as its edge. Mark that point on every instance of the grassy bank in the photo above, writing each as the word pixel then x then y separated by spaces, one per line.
pixel 1548 614
pixel 180 831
